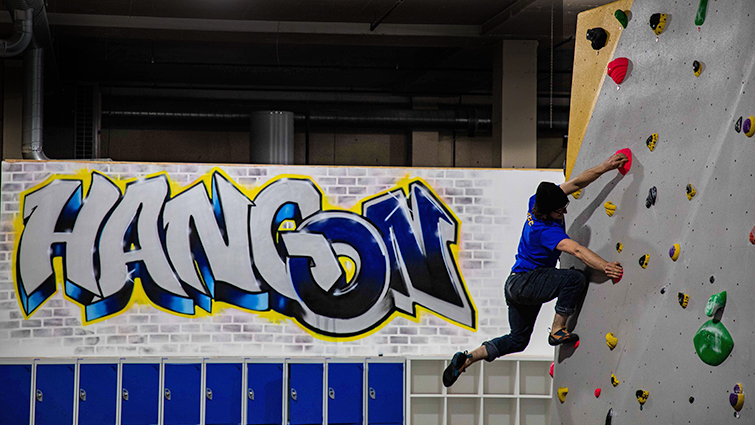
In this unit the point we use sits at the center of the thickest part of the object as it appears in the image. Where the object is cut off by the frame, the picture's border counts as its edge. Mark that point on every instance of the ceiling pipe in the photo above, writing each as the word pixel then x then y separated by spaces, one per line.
pixel 22 33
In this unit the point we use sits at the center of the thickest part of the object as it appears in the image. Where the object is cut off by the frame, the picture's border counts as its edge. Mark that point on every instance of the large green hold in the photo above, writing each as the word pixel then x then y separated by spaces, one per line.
pixel 713 343
pixel 700 17
pixel 622 17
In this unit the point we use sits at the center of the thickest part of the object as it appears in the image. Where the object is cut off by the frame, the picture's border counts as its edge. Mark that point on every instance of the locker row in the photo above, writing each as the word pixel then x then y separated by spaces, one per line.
pixel 202 392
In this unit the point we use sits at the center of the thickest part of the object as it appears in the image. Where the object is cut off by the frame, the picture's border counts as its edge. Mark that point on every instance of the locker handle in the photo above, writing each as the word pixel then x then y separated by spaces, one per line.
pixel 251 394
pixel 332 393
pixel 167 394
pixel 209 394
pixel 83 395
pixel 125 394
pixel 372 393
pixel 293 394
pixel 39 396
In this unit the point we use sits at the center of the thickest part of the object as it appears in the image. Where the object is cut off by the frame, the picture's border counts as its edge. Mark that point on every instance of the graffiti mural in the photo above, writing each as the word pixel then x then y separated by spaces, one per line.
pixel 278 248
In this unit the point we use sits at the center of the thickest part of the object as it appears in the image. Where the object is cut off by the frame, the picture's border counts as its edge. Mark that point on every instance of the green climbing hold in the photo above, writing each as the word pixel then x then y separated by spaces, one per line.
pixel 700 17
pixel 621 17
pixel 713 343
pixel 716 302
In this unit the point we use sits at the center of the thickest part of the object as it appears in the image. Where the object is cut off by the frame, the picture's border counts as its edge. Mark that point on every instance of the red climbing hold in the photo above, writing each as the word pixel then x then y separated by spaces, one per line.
pixel 617 69
pixel 576 344
pixel 617 280
pixel 624 169
pixel 551 372
pixel 752 236
pixel 597 393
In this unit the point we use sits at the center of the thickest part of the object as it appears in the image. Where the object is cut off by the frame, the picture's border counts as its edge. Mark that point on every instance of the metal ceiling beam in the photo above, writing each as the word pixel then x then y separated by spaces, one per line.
pixel 496 21
pixel 273 27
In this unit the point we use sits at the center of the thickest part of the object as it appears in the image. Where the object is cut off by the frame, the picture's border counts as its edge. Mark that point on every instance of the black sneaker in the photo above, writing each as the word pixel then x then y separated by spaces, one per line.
pixel 562 337
pixel 453 370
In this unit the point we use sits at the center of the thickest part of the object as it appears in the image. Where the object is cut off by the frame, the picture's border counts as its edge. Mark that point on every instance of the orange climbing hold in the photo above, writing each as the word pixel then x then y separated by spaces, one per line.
pixel 617 69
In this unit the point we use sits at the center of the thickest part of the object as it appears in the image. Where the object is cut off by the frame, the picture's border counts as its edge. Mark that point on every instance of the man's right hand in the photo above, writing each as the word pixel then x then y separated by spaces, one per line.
pixel 615 161
pixel 614 270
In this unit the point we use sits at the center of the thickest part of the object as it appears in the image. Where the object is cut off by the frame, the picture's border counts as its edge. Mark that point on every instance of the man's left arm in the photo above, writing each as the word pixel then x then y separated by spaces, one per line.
pixel 588 176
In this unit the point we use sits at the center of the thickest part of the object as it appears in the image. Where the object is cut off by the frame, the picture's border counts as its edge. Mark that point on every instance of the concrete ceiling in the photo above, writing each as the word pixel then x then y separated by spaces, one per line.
pixel 419 48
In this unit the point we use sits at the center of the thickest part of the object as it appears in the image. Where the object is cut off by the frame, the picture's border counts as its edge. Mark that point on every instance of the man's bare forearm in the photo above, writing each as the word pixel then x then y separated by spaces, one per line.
pixel 590 258
pixel 588 176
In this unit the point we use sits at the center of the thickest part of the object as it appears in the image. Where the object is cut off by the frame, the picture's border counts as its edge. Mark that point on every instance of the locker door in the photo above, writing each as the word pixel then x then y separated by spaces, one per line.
pixel 15 393
pixel 54 394
pixel 345 393
pixel 305 382
pixel 385 393
pixel 223 394
pixel 98 385
pixel 264 394
pixel 140 395
pixel 182 395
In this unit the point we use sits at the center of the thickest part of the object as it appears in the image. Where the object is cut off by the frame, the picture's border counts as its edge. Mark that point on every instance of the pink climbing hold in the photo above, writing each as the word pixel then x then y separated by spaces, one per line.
pixel 597 393
pixel 551 372
pixel 617 69
pixel 624 169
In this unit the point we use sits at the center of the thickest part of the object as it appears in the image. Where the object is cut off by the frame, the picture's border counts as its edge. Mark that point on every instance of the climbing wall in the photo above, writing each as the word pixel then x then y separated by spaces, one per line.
pixel 699 143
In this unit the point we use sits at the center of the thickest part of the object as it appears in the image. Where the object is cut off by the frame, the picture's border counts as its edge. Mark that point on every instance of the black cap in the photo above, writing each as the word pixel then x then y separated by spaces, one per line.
pixel 549 198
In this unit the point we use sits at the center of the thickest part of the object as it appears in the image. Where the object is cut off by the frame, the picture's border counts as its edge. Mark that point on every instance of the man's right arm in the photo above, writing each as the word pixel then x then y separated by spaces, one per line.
pixel 591 259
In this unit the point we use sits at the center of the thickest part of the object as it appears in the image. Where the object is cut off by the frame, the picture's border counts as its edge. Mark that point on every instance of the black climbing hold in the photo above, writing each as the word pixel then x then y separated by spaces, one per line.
pixel 652 195
pixel 598 37
pixel 691 399
pixel 658 22
pixel 609 416
pixel 738 125
pixel 697 68
pixel 663 290
pixel 712 279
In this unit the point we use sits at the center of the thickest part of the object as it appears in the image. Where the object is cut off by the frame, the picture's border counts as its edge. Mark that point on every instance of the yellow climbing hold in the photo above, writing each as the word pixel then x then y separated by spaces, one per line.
pixel 642 397
pixel 562 391
pixel 611 340
pixel 652 141
pixel 614 380
pixel 619 247
pixel 683 299
pixel 610 208
pixel 576 194
pixel 674 252
pixel 644 260
pixel 691 192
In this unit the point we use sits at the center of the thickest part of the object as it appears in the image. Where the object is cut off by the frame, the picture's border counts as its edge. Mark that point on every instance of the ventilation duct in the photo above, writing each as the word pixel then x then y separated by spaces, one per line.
pixel 271 137
pixel 22 34
pixel 41 44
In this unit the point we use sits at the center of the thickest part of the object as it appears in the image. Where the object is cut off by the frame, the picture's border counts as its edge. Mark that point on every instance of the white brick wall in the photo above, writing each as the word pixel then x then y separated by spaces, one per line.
pixel 491 205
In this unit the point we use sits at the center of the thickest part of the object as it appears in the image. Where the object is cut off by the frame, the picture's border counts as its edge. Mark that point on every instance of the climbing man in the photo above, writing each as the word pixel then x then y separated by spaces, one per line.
pixel 535 280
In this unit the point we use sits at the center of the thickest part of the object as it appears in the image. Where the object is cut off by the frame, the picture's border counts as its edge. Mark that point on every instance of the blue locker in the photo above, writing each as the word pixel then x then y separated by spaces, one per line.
pixel 264 394
pixel 54 394
pixel 223 394
pixel 385 393
pixel 183 389
pixel 345 393
pixel 15 393
pixel 98 386
pixel 305 381
pixel 140 394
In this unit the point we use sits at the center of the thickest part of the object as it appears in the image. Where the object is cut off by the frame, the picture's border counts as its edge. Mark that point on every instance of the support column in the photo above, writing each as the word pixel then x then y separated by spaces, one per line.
pixel 515 104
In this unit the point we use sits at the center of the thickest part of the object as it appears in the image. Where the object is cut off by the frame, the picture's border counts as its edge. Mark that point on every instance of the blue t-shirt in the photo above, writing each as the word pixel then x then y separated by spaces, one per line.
pixel 537 247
